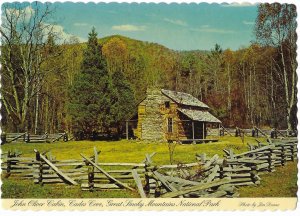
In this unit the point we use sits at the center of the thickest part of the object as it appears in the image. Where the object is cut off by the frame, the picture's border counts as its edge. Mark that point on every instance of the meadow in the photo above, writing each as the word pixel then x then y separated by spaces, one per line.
pixel 282 183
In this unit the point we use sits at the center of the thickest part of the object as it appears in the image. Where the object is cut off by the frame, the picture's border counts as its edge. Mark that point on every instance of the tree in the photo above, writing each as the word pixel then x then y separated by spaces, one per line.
pixel 90 95
pixel 124 104
pixel 53 92
pixel 115 52
pixel 24 34
pixel 228 61
pixel 276 26
pixel 214 64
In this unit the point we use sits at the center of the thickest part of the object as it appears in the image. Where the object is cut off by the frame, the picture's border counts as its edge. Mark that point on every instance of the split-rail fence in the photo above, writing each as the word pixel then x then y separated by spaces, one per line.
pixel 216 176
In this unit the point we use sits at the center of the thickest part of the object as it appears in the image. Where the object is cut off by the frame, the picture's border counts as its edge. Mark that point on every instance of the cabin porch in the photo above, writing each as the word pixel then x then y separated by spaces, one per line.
pixel 192 126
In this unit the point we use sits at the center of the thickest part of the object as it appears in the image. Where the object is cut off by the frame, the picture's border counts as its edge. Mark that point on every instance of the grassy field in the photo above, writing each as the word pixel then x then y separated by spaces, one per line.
pixel 130 151
pixel 134 151
pixel 281 183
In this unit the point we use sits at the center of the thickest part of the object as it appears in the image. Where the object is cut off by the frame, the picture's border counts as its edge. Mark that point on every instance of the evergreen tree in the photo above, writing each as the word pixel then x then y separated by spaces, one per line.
pixel 90 95
pixel 123 105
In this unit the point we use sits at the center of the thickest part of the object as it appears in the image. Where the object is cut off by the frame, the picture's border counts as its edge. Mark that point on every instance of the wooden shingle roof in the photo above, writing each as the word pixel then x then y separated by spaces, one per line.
pixel 184 98
pixel 198 115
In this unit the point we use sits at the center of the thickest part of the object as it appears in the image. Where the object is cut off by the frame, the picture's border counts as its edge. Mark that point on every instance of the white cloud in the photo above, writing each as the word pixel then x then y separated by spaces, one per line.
pixel 28 12
pixel 236 4
pixel 81 24
pixel 248 22
pixel 25 13
pixel 213 30
pixel 175 22
pixel 128 28
pixel 60 33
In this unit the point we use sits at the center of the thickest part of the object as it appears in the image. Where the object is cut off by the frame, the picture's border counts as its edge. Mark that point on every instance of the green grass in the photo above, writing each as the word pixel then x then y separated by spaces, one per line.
pixel 281 183
pixel 133 151
pixel 19 188
pixel 130 151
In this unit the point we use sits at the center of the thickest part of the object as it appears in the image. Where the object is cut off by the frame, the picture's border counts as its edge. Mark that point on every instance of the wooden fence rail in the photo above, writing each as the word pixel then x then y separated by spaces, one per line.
pixel 251 132
pixel 31 138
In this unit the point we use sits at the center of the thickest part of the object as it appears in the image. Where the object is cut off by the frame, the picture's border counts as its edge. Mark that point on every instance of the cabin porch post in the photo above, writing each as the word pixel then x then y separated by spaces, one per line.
pixel 193 129
pixel 203 128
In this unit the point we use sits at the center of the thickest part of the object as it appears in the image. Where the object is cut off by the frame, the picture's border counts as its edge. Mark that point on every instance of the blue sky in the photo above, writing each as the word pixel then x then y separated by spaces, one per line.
pixel 176 26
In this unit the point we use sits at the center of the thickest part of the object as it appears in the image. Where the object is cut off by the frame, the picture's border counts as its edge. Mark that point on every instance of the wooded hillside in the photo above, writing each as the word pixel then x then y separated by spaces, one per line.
pixel 254 85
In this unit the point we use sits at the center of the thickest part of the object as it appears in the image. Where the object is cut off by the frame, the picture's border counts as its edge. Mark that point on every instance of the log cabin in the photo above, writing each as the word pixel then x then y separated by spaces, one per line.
pixel 166 115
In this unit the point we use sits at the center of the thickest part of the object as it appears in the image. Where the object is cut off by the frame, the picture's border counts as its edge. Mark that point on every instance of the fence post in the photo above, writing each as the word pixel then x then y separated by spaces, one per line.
pixel 27 137
pixel 147 176
pixel 282 154
pixel 91 176
pixel 95 155
pixel 222 131
pixel 8 163
pixel 157 192
pixel 91 171
pixel 127 130
pixel 253 132
pixel 40 167
pixel 147 185
pixel 270 161
pixel 3 138
pixel 65 137
pixel 253 174
pixel 292 152
pixel 221 170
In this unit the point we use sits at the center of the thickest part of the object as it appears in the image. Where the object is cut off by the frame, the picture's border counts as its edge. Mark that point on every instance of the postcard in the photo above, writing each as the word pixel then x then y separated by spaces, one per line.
pixel 149 106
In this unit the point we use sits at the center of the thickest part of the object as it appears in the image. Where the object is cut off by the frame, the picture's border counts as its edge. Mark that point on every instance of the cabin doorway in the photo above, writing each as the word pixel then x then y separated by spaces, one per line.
pixel 194 130
pixel 199 130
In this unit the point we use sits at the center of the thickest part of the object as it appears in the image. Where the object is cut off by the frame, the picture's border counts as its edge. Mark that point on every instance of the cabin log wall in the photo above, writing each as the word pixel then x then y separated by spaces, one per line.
pixel 153 119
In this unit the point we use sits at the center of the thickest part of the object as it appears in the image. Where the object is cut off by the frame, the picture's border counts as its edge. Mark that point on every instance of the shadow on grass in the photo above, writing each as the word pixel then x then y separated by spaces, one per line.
pixel 19 188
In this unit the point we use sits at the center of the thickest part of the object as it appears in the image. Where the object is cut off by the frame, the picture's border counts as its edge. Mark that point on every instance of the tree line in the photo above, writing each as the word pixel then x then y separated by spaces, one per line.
pixel 95 86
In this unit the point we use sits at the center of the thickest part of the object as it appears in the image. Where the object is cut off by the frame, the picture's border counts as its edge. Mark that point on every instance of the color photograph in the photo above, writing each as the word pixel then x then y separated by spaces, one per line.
pixel 148 101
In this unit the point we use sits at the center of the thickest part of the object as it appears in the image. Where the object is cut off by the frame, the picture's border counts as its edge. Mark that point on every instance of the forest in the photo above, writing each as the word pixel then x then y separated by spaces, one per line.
pixel 48 86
